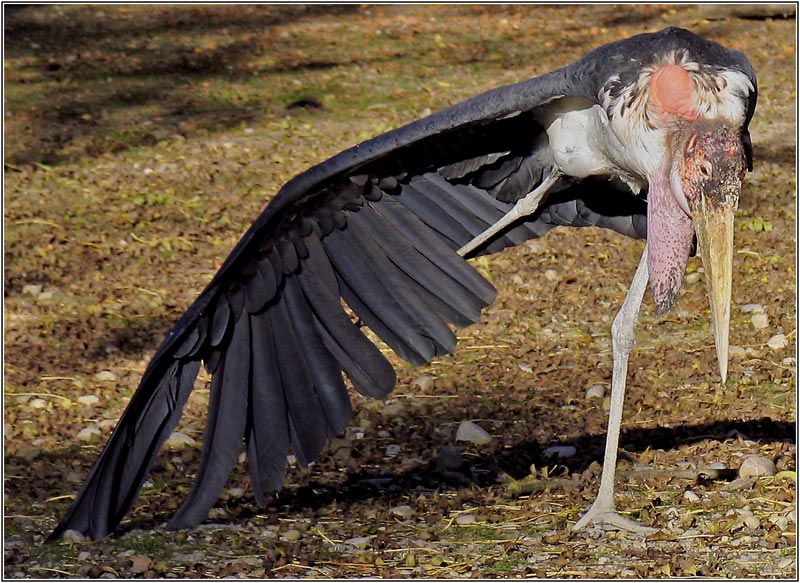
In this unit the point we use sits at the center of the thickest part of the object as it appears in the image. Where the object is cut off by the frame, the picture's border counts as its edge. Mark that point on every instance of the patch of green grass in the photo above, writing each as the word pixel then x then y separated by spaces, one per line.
pixel 508 563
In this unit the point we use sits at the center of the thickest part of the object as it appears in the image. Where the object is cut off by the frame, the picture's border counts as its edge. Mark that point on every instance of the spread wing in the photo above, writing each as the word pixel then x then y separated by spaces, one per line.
pixel 377 227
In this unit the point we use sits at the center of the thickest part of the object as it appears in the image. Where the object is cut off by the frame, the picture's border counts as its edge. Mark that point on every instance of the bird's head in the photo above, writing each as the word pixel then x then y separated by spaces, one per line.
pixel 709 166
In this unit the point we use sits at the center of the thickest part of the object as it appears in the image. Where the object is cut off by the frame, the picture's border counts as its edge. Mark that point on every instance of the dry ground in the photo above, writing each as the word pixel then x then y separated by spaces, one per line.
pixel 139 144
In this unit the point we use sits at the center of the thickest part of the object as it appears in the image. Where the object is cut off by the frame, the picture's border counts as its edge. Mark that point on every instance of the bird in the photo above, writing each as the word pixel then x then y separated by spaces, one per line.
pixel 645 136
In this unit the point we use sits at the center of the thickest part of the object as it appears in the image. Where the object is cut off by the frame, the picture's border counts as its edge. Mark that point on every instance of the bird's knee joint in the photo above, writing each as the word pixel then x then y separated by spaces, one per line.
pixel 623 333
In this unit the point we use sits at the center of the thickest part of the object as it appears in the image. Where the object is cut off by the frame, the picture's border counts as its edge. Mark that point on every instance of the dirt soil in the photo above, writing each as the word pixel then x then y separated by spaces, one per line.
pixel 141 141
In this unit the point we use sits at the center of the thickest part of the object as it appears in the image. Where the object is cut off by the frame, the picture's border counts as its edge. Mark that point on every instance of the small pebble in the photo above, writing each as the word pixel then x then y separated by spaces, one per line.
pixel 32 289
pixel 84 555
pixel 777 342
pixel 88 433
pixel 292 535
pixel 88 399
pixel 760 320
pixel 752 308
pixel 717 466
pixel 141 563
pixel 785 563
pixel 463 519
pixel 561 451
pixel 404 512
pixel 691 496
pixel 469 431
pixel 73 536
pixel 693 277
pixel 359 542
pixel 755 466
pixel 106 375
pixel 37 403
pixel 782 522
pixel 751 521
pixel 595 392
pixel 392 408
pixel 393 449
pixel 551 275
pixel 179 440
pixel 424 382
pixel 736 350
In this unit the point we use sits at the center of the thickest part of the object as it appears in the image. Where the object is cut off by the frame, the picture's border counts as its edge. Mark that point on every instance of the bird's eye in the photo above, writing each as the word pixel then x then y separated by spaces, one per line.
pixel 706 169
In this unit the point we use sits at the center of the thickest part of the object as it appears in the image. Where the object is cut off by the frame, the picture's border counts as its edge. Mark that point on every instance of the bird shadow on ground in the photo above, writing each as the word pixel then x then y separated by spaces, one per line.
pixel 388 487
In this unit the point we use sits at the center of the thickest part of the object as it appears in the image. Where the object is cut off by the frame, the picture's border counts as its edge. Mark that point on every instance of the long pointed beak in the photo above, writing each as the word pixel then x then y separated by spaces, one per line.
pixel 714 228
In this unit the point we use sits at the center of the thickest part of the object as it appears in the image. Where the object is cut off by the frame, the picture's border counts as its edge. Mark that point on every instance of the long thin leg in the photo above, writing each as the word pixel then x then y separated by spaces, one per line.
pixel 524 207
pixel 623 335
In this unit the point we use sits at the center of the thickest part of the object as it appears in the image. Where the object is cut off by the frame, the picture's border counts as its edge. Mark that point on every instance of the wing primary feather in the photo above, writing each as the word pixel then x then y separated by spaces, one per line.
pixel 436 249
pixel 365 366
pixel 324 370
pixel 433 215
pixel 405 292
pixel 267 422
pixel 447 296
pixel 371 299
pixel 119 472
pixel 306 419
pixel 225 428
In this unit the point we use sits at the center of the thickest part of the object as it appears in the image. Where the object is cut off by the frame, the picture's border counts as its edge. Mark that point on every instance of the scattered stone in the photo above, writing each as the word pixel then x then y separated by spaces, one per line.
pixel 469 431
pixel 88 433
pixel 760 320
pixel 755 466
pixel 525 368
pixel 691 496
pixel 785 563
pixel 179 440
pixel 73 536
pixel 734 350
pixel 561 451
pixel 424 382
pixel 141 563
pixel 392 408
pixel 88 400
pixel 449 459
pixel 551 275
pixel 780 521
pixel 405 512
pixel 106 375
pixel 292 535
pixel 32 289
pixel 595 392
pixel 717 466
pixel 393 449
pixel 359 542
pixel 777 342
pixel 693 277
pixel 751 521
pixel 463 519
pixel 84 555
pixel 37 403
pixel 747 308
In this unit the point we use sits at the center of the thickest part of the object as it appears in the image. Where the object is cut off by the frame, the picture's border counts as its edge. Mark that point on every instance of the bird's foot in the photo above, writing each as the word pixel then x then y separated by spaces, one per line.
pixel 606 516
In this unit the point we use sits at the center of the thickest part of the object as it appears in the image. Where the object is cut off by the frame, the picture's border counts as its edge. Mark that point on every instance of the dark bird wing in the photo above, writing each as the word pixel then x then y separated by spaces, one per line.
pixel 377 226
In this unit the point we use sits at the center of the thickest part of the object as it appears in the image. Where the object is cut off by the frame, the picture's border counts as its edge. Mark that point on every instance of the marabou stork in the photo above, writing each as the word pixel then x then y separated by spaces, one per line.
pixel 645 136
